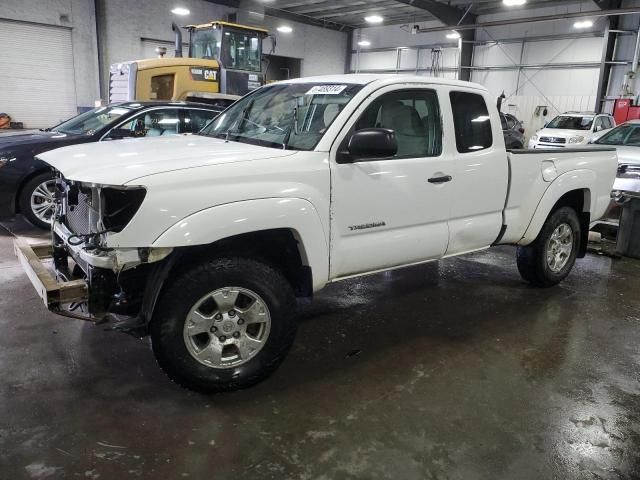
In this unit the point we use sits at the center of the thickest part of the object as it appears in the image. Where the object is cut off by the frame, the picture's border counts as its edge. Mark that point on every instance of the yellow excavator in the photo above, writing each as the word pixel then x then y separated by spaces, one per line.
pixel 224 62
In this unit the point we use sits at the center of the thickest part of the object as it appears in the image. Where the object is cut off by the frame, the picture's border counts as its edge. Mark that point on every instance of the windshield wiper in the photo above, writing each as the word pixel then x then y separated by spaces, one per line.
pixel 236 128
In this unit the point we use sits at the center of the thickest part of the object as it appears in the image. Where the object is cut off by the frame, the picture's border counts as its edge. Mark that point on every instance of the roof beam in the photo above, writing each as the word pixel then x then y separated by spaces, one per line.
pixel 450 16
pixel 285 15
pixel 544 18
pixel 316 22
pixel 607 4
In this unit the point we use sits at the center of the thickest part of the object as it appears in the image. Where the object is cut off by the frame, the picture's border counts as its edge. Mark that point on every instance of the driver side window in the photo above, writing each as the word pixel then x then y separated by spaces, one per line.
pixel 599 124
pixel 154 123
pixel 414 116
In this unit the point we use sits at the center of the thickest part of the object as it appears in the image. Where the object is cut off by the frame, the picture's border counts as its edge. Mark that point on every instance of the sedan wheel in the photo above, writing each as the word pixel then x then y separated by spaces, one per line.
pixel 43 201
pixel 37 201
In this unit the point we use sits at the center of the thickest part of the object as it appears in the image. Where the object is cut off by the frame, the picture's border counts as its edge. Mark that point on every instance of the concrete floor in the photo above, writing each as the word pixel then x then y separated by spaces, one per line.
pixel 452 370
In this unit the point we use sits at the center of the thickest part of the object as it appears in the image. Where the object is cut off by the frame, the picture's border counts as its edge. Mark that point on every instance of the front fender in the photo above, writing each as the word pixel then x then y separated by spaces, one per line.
pixel 574 180
pixel 224 221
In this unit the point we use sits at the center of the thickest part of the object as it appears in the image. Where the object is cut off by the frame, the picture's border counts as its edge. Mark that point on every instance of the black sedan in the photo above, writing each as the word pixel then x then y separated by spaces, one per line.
pixel 26 184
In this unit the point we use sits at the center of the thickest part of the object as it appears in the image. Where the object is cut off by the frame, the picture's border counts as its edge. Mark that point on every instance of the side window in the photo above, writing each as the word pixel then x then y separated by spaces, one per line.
pixel 471 122
pixel 607 122
pixel 195 120
pixel 512 121
pixel 414 115
pixel 154 123
pixel 597 125
pixel 503 121
pixel 162 87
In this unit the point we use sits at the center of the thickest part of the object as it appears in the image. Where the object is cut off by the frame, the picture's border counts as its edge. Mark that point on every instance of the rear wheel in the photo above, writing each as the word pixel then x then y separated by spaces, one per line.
pixel 37 200
pixel 224 324
pixel 549 259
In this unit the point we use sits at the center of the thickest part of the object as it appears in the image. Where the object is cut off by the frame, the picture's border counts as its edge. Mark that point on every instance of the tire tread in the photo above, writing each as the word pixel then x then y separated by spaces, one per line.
pixel 205 272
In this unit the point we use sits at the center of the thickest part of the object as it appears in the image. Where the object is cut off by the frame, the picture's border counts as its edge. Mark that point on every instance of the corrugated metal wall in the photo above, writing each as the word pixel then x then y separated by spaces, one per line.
pixel 546 64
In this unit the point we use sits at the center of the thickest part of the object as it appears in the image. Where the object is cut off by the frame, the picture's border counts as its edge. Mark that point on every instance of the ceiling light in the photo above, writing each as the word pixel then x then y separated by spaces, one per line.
pixel 453 35
pixel 373 19
pixel 583 24
pixel 181 11
pixel 514 3
pixel 285 29
pixel 364 43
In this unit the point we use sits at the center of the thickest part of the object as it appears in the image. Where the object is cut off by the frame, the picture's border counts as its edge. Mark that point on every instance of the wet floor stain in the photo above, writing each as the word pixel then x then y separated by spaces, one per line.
pixel 450 370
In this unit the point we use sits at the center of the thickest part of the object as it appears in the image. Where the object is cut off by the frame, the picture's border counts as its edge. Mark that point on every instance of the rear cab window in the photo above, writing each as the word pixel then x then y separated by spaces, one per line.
pixel 471 122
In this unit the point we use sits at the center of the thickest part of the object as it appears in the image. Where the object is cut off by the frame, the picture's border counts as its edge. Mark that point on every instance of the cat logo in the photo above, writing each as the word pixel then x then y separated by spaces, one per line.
pixel 204 74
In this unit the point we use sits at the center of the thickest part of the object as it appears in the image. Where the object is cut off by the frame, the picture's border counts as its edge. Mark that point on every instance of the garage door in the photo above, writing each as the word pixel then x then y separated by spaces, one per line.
pixel 37 84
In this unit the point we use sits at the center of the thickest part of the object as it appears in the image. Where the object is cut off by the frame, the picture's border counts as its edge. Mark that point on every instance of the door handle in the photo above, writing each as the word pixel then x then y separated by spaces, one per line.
pixel 442 179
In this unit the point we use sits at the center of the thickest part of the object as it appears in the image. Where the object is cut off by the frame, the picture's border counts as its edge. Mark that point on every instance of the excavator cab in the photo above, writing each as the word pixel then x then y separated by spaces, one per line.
pixel 224 63
pixel 237 49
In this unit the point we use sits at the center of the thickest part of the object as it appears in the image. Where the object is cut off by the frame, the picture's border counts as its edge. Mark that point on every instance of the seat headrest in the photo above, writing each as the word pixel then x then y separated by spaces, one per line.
pixel 404 119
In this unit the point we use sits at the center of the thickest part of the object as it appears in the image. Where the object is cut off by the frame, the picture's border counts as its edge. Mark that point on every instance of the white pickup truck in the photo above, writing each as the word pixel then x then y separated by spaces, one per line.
pixel 205 241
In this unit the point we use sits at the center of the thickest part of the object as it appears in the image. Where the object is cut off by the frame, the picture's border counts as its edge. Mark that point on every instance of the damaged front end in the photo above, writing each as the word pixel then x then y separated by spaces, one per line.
pixel 91 278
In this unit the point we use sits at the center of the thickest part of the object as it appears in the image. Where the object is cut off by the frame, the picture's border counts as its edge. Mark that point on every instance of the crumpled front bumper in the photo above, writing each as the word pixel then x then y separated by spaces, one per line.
pixel 98 292
pixel 53 292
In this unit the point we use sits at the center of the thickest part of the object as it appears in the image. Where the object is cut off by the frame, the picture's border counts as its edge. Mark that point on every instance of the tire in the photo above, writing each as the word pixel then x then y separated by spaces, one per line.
pixel 176 345
pixel 35 189
pixel 533 263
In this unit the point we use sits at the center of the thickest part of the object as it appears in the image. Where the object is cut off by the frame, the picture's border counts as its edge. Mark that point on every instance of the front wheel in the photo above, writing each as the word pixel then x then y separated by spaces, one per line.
pixel 549 259
pixel 224 324
pixel 37 200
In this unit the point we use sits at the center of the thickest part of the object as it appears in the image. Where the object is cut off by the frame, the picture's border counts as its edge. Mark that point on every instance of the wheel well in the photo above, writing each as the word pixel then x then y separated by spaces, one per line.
pixel 580 201
pixel 26 180
pixel 279 247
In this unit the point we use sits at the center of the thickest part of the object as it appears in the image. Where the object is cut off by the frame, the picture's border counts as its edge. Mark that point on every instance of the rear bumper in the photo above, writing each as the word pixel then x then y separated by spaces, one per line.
pixel 53 292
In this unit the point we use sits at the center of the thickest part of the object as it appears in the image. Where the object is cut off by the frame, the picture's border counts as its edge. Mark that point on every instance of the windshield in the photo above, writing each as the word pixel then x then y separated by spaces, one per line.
pixel 628 135
pixel 205 43
pixel 571 122
pixel 89 122
pixel 293 116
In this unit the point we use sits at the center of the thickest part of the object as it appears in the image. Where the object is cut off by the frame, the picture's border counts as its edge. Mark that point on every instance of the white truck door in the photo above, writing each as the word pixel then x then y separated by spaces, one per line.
pixel 386 212
pixel 481 174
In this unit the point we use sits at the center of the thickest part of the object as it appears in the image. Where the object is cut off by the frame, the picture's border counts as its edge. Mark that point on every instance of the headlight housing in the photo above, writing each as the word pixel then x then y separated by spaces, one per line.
pixel 5 158
pixel 119 206
pixel 534 138
pixel 89 208
pixel 576 139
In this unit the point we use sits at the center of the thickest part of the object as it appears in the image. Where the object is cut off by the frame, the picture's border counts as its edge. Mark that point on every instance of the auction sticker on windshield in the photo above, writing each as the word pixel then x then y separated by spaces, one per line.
pixel 326 90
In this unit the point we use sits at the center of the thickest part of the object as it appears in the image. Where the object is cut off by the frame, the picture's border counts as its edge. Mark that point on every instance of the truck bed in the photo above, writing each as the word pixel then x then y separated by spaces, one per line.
pixel 528 185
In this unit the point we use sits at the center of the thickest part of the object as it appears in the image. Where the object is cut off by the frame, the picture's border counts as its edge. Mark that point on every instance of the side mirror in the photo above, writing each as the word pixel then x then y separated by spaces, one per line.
pixel 119 133
pixel 372 143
